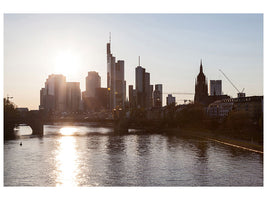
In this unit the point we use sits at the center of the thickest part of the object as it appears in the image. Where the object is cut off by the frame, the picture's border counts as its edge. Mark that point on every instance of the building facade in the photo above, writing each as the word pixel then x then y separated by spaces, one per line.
pixel 53 95
pixel 73 96
pixel 157 96
pixel 115 80
pixel 215 87
pixel 93 81
pixel 170 100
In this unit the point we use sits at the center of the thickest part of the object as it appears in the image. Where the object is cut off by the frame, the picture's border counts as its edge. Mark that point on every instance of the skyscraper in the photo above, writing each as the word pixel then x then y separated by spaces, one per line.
pixel 215 87
pixel 201 87
pixel 140 86
pixel 53 96
pixel 115 80
pixel 73 96
pixel 158 96
pixel 93 81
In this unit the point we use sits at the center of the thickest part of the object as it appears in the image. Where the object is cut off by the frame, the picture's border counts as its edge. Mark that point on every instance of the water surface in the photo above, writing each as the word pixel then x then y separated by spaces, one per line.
pixel 87 155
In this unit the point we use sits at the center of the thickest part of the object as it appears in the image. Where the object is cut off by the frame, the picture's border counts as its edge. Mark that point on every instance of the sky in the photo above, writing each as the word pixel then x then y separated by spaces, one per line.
pixel 170 46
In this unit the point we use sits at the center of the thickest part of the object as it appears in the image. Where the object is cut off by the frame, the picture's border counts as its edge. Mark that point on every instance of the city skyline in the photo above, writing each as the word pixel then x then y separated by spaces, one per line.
pixel 170 45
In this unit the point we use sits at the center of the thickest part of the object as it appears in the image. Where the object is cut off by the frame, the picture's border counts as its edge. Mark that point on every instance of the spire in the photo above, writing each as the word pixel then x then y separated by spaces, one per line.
pixel 138 60
pixel 109 37
pixel 201 68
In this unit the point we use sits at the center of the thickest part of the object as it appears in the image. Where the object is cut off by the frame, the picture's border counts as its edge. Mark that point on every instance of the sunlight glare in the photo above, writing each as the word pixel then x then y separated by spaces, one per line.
pixel 67 63
pixel 67 131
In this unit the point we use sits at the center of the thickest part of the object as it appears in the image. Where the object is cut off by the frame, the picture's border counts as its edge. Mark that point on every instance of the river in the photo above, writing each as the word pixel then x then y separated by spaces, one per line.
pixel 88 155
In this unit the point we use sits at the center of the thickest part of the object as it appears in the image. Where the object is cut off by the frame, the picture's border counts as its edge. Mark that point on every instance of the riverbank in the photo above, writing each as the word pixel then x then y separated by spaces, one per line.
pixel 216 137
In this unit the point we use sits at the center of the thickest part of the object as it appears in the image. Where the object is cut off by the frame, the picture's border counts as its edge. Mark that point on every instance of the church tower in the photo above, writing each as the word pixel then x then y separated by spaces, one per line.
pixel 201 87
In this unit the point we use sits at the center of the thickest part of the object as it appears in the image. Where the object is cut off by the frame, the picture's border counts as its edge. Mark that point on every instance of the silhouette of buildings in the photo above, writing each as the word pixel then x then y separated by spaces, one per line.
pixel 201 87
pixel 101 95
pixel 170 100
pixel 132 97
pixel 253 105
pixel 59 95
pixel 73 96
pixel 93 81
pixel 115 80
pixel 140 86
pixel 141 96
pixel 157 96
pixel 53 96
pixel 215 87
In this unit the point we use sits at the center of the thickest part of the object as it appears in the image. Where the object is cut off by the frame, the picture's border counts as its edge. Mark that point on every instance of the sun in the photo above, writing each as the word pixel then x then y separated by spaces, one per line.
pixel 67 63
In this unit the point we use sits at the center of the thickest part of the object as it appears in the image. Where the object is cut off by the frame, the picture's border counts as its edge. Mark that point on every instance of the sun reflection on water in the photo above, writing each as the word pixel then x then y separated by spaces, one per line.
pixel 68 131
pixel 66 158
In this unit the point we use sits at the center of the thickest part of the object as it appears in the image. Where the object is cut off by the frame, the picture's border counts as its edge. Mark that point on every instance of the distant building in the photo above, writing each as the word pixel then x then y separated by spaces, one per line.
pixel 170 100
pixel 143 88
pixel 201 87
pixel 215 87
pixel 253 105
pixel 93 81
pixel 219 109
pixel 115 80
pixel 73 96
pixel 132 101
pixel 53 96
pixel 101 95
pixel 140 86
pixel 158 96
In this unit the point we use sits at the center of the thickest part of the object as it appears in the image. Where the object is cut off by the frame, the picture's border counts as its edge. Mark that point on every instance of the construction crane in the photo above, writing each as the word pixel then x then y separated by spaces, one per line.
pixel 239 94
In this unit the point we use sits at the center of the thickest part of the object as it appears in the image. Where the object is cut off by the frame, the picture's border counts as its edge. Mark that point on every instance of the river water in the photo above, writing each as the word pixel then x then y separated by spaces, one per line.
pixel 87 155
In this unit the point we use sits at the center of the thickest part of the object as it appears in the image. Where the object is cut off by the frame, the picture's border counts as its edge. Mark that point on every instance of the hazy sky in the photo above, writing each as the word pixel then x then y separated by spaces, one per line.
pixel 170 46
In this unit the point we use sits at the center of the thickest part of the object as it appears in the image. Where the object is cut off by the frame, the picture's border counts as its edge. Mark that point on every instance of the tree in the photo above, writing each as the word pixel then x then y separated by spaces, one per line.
pixel 11 118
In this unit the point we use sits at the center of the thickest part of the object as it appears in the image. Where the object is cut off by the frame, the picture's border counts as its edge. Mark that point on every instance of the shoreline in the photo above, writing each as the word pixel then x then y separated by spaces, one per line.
pixel 257 148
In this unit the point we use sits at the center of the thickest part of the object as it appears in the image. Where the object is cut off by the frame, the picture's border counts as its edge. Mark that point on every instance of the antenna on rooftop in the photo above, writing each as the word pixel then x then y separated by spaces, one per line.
pixel 109 37
pixel 138 60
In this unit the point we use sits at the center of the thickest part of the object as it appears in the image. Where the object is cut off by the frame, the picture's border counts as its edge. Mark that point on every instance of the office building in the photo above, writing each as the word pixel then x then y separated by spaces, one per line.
pixel 101 96
pixel 115 80
pixel 170 100
pixel 158 96
pixel 215 87
pixel 53 96
pixel 93 81
pixel 73 96
pixel 140 86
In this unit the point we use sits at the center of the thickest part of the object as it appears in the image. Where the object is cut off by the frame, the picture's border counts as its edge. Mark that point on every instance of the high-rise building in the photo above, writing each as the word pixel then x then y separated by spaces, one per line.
pixel 215 87
pixel 143 87
pixel 147 90
pixel 73 96
pixel 120 84
pixel 151 96
pixel 93 81
pixel 115 80
pixel 140 86
pixel 53 96
pixel 102 98
pixel 201 87
pixel 170 100
pixel 158 96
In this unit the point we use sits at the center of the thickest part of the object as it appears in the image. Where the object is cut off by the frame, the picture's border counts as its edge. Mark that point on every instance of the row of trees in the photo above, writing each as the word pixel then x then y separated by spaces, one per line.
pixel 237 124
